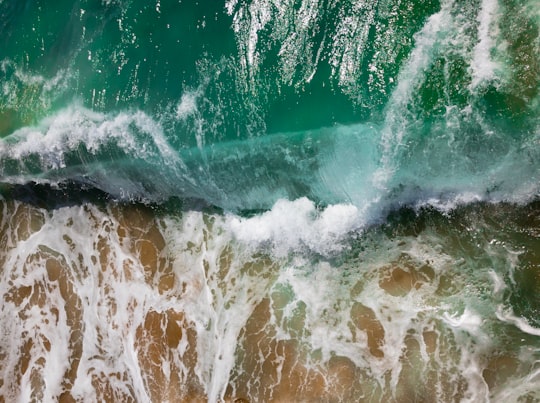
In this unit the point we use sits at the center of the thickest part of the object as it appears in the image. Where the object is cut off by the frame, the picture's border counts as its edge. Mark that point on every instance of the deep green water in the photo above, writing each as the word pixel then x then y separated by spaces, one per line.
pixel 317 133
pixel 242 104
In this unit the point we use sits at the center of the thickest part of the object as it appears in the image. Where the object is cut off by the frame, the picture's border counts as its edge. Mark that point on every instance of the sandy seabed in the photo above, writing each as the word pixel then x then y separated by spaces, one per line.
pixel 116 302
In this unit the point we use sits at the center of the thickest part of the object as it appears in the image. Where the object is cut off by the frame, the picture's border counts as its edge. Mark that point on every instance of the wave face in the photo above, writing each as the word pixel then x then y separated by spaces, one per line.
pixel 269 200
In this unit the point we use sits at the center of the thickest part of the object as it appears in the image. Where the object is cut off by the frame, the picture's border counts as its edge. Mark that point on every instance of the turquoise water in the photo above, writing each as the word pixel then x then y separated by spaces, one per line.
pixel 394 142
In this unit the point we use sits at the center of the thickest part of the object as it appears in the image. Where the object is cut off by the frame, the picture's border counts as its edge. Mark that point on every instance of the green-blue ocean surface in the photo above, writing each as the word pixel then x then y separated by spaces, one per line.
pixel 270 200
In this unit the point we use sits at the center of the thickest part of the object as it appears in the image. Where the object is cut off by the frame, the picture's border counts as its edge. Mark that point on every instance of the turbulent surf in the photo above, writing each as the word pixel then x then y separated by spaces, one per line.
pixel 270 200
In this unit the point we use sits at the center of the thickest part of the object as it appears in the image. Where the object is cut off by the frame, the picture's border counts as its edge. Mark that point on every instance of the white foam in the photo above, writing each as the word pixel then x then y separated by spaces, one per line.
pixel 224 296
pixel 187 105
pixel 468 321
pixel 447 203
pixel 68 129
pixel 294 225
pixel 349 43
pixel 484 67
pixel 498 284
pixel 230 6
pixel 247 22
pixel 522 324
pixel 187 109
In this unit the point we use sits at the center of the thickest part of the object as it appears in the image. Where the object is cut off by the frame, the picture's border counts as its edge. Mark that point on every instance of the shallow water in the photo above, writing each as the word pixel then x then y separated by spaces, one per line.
pixel 117 303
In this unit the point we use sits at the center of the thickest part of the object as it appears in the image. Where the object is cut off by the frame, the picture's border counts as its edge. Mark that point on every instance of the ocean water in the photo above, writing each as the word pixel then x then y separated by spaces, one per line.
pixel 270 201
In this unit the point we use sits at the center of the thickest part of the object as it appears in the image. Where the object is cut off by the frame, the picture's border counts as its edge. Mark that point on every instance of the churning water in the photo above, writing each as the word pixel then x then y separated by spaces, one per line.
pixel 270 200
